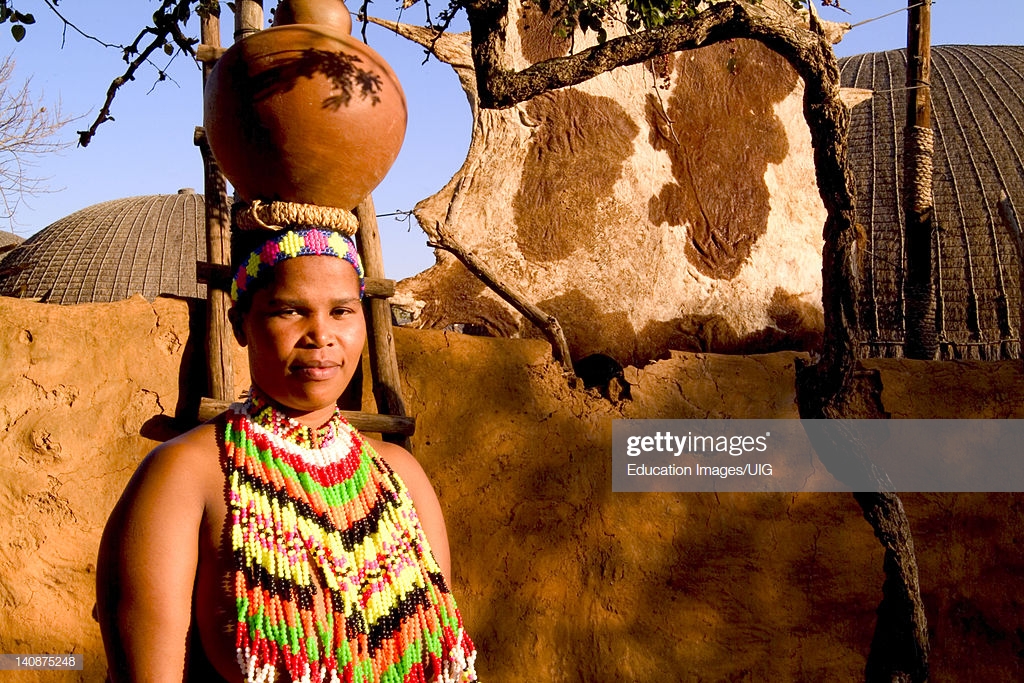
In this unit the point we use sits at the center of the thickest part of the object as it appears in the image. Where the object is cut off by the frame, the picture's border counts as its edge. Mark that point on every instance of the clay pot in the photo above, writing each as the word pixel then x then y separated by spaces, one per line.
pixel 304 112
pixel 334 14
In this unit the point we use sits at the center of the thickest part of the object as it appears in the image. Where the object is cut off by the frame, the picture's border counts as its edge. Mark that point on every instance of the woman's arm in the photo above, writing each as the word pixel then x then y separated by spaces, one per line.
pixel 147 564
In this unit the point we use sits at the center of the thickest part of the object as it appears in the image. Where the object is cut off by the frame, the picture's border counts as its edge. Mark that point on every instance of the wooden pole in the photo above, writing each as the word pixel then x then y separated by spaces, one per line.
pixel 918 142
pixel 219 340
pixel 387 385
pixel 248 17
pixel 919 64
pixel 1006 213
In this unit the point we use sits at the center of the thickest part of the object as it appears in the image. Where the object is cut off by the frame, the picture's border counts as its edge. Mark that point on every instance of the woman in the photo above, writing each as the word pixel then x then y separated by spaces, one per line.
pixel 275 542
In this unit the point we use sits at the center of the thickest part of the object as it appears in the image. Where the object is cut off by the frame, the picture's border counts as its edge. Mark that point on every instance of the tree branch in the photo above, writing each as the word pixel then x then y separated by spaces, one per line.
pixel 168 20
pixel 69 24
pixel 28 131
pixel 500 88
pixel 544 321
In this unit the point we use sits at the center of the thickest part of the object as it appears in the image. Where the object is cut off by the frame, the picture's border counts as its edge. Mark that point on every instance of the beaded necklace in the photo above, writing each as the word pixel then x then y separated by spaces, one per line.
pixel 317 511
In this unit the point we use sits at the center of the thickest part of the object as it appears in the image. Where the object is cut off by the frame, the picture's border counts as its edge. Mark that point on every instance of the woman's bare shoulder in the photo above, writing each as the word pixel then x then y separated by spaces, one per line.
pixel 393 454
pixel 189 464
pixel 199 439
pixel 405 466
pixel 149 554
pixel 197 444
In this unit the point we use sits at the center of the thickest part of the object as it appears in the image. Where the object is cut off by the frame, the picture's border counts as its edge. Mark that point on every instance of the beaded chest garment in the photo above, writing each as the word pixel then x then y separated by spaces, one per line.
pixel 334 579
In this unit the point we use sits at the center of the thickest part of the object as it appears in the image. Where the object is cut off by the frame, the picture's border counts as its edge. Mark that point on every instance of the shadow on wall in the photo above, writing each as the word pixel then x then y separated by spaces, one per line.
pixel 565 580
pixel 795 326
pixel 191 378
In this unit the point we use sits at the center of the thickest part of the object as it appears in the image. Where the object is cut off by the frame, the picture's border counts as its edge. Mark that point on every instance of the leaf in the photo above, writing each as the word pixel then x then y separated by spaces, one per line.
pixel 18 31
pixel 168 49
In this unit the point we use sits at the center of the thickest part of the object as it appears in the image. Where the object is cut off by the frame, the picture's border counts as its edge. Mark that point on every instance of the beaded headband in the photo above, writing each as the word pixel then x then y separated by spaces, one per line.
pixel 293 243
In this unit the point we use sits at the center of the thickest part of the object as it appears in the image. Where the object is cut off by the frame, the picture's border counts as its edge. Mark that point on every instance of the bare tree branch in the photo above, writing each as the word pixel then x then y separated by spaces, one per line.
pixel 545 322
pixel 167 29
pixel 28 131
pixel 69 24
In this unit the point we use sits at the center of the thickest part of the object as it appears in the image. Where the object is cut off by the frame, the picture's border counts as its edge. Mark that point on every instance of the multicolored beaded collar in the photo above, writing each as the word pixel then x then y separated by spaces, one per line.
pixel 334 578
pixel 292 243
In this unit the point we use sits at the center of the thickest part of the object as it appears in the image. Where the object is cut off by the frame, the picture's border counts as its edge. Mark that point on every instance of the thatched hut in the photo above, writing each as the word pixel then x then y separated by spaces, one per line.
pixel 111 251
pixel 978 119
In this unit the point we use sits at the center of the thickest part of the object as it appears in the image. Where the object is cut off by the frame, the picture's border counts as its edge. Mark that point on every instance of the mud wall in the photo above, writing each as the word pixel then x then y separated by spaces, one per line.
pixel 559 578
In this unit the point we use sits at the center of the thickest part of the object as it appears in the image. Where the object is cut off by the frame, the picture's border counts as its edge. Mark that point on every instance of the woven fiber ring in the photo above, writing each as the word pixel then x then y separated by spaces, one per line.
pixel 284 215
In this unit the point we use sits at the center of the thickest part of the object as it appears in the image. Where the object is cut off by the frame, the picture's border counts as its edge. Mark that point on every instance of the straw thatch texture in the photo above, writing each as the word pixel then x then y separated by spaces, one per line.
pixel 978 119
pixel 9 240
pixel 111 251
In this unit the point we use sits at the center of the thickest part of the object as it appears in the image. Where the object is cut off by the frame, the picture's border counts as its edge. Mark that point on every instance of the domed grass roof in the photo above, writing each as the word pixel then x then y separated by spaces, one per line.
pixel 111 251
pixel 978 119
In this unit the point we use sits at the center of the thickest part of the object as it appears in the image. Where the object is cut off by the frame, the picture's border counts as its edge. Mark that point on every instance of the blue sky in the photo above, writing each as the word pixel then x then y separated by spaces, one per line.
pixel 148 148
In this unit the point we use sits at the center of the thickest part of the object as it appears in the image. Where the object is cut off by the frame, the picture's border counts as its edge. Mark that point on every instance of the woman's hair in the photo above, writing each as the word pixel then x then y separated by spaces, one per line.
pixel 243 244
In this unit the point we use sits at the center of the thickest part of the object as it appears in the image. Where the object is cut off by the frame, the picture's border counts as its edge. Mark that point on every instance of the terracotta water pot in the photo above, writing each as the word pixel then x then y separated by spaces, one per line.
pixel 304 112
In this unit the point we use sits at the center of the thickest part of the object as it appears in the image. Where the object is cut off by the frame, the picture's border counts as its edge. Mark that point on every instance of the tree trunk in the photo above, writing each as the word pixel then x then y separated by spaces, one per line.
pixel 899 649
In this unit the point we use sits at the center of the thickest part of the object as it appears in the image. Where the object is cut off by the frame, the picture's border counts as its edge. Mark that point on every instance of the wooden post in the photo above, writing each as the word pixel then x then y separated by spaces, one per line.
pixel 1006 213
pixel 248 17
pixel 921 339
pixel 219 340
pixel 209 35
pixel 387 386
pixel 919 64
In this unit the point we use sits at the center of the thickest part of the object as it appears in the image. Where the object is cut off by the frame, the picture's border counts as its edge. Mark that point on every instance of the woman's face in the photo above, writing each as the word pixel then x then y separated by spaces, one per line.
pixel 304 334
